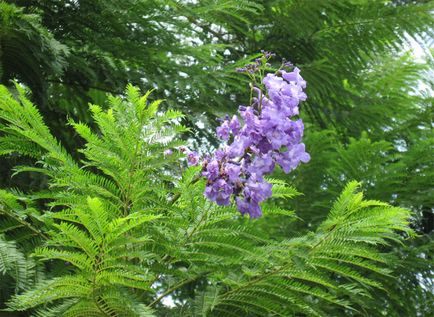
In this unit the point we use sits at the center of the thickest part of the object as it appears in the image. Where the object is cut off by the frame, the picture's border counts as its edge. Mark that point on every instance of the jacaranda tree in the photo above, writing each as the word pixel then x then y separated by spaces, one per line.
pixel 121 230
pixel 243 192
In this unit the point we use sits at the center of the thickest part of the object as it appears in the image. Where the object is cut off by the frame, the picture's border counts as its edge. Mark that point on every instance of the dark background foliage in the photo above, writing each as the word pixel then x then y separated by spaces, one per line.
pixel 368 115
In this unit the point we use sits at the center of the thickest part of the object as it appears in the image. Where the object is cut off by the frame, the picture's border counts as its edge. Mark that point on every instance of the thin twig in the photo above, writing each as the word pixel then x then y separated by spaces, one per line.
pixel 25 224
pixel 175 287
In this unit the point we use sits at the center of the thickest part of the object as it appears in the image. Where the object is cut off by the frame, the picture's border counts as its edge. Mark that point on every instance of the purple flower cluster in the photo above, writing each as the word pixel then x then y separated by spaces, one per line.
pixel 265 137
pixel 259 62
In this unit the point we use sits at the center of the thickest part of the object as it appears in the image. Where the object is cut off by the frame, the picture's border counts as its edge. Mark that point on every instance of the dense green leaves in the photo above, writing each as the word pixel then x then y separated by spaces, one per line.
pixel 368 117
pixel 121 233
pixel 27 50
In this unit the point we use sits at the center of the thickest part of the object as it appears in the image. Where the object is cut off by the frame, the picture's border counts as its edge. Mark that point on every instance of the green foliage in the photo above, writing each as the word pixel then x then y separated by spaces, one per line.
pixel 296 277
pixel 27 50
pixel 368 117
pixel 105 261
pixel 189 50
pixel 334 42
pixel 121 233
pixel 13 263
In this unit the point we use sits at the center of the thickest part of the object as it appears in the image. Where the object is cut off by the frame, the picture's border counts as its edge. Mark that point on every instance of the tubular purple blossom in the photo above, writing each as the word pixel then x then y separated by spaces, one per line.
pixel 266 137
pixel 223 131
pixel 192 158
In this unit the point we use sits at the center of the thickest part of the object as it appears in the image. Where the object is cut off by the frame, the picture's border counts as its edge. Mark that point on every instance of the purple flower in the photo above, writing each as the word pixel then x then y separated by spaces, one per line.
pixel 257 190
pixel 220 154
pixel 295 91
pixel 262 164
pixel 266 136
pixel 273 83
pixel 263 146
pixel 246 206
pixel 249 117
pixel 272 117
pixel 267 54
pixel 220 192
pixel 295 132
pixel 223 131
pixel 277 138
pixel 192 158
pixel 238 147
pixel 294 76
pixel 291 158
pixel 168 152
pixel 234 125
pixel 233 172
pixel 212 170
pixel 242 205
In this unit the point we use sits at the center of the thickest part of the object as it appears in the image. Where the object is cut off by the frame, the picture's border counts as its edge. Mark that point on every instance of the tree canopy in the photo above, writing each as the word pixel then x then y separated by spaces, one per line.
pixel 321 248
